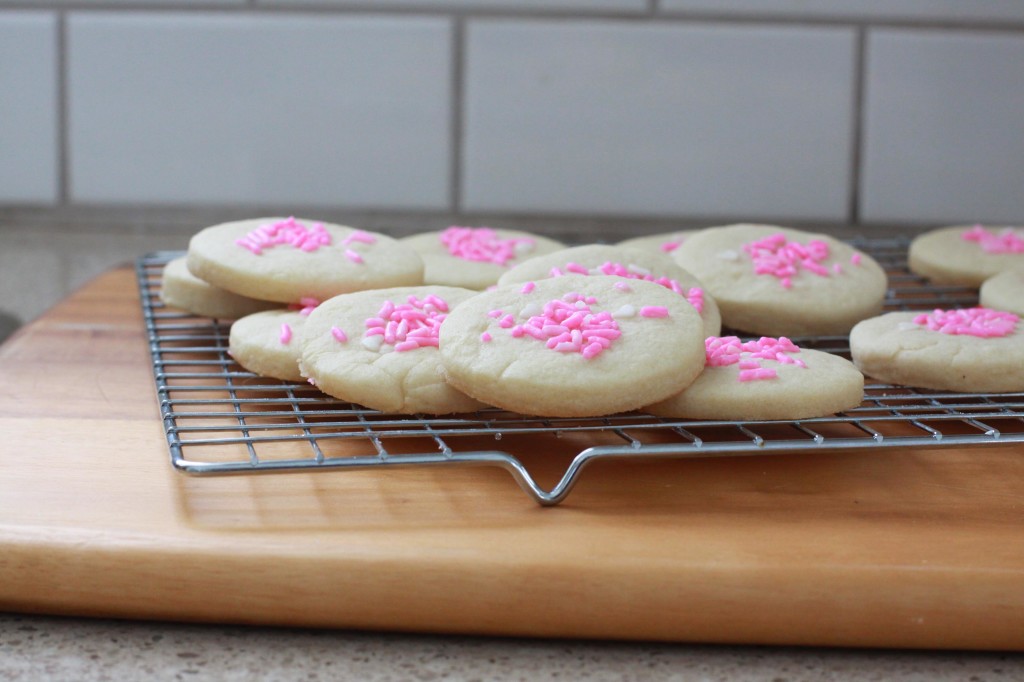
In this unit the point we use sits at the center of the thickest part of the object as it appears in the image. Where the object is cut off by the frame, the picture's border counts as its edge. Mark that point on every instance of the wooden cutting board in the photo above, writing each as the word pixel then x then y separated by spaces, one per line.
pixel 910 548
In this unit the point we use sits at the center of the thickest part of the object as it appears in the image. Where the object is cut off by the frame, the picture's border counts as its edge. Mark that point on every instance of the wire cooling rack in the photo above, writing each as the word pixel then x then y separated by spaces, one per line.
pixel 221 419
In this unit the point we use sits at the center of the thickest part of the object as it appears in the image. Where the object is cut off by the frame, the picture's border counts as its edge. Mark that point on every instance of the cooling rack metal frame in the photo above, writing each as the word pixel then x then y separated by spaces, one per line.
pixel 221 419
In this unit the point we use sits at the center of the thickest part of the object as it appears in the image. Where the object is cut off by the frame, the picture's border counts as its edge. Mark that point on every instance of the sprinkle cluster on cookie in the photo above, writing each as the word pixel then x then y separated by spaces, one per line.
pixel 1006 240
pixel 289 232
pixel 565 325
pixel 404 326
pixel 784 259
pixel 695 295
pixel 484 244
pixel 722 351
pixel 980 322
pixel 569 324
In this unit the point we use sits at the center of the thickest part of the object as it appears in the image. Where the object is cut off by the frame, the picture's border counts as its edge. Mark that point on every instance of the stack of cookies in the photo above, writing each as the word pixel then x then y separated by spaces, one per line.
pixel 976 350
pixel 464 318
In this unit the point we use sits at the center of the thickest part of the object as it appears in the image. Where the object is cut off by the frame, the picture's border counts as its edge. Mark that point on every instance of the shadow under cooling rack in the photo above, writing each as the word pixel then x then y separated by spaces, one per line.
pixel 221 419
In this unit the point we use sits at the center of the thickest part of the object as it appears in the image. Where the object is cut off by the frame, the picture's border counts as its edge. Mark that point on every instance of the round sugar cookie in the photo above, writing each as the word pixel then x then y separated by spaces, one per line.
pixel 356 347
pixel 475 257
pixel 778 281
pixel 1004 291
pixel 267 343
pixel 180 289
pixel 966 254
pixel 766 379
pixel 630 263
pixel 909 348
pixel 665 242
pixel 573 346
pixel 286 259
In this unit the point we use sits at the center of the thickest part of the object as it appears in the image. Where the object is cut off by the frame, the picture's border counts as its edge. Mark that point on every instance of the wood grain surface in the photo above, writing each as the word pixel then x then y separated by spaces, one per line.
pixel 898 548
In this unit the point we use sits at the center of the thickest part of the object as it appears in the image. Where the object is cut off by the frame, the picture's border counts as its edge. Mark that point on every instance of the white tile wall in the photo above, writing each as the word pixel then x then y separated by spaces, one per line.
pixel 693 110
pixel 944 127
pixel 181 108
pixel 926 10
pixel 28 107
pixel 506 5
pixel 130 4
pixel 670 119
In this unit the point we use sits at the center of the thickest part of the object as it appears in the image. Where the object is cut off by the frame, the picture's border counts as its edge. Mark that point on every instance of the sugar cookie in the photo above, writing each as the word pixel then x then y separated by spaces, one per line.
pixel 573 346
pixel 1004 291
pixel 180 289
pixel 630 263
pixel 966 254
pixel 974 350
pixel 475 257
pixel 285 259
pixel 267 343
pixel 766 379
pixel 379 349
pixel 778 281
pixel 665 242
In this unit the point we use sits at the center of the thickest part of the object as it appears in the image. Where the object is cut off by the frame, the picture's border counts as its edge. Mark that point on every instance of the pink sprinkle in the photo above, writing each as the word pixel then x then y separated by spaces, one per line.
pixel 721 351
pixel 485 337
pixel 622 286
pixel 837 268
pixel 506 322
pixel 1006 241
pixel 353 256
pixel 760 373
pixel 286 334
pixel 288 231
pixel 338 334
pixel 668 247
pixel 695 296
pixel 483 244
pixel 775 255
pixel 577 268
pixel 528 287
pixel 249 244
pixel 981 322
pixel 654 311
pixel 411 325
pixel 855 258
pixel 305 306
pixel 359 236
pixel 496 313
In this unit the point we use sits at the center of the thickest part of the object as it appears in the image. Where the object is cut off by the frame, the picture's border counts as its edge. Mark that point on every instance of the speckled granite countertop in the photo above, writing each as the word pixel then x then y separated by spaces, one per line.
pixel 41 647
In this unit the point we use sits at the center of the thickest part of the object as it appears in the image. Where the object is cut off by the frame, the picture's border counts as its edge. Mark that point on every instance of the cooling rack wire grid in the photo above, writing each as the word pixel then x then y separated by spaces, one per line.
pixel 221 419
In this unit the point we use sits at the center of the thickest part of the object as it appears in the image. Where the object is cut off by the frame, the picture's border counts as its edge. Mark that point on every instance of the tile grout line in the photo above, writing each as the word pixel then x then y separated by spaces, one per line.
pixel 456 98
pixel 63 172
pixel 857 125
pixel 651 10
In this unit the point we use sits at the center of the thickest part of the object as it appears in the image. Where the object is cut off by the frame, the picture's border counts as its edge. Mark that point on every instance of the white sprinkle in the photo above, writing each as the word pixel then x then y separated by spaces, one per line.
pixel 581 304
pixel 531 309
pixel 636 269
pixel 625 311
pixel 373 342
pixel 728 254
pixel 905 326
pixel 522 247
